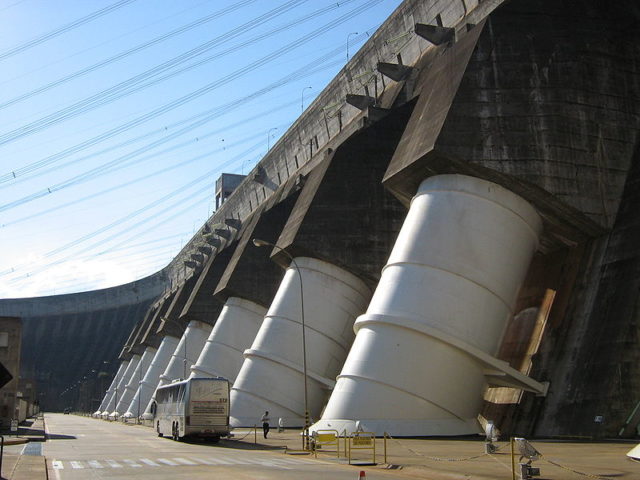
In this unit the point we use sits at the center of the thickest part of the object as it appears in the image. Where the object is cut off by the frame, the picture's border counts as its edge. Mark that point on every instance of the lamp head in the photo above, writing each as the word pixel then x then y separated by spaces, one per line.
pixel 260 243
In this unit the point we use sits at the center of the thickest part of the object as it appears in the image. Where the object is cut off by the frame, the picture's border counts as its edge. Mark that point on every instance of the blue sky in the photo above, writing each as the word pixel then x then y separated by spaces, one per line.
pixel 115 122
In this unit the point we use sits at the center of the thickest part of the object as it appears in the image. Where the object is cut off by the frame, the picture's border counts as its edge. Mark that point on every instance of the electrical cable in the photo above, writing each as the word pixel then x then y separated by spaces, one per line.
pixel 83 105
pixel 102 168
pixel 126 53
pixel 53 118
pixel 64 29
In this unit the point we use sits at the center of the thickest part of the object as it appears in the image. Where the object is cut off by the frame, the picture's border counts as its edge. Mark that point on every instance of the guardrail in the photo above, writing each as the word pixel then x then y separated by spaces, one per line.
pixel 324 438
pixel 362 441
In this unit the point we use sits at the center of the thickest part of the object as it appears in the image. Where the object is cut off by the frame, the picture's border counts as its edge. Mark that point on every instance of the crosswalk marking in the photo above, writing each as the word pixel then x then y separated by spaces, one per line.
pixel 255 461
pixel 292 461
pixel 219 461
pixel 283 463
pixel 232 461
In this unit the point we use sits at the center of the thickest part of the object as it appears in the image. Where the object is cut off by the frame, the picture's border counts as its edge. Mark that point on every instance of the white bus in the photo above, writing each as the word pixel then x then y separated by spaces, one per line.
pixel 196 407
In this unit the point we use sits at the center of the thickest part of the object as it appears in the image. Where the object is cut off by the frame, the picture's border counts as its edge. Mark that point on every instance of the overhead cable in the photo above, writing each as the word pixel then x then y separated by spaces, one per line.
pixel 64 29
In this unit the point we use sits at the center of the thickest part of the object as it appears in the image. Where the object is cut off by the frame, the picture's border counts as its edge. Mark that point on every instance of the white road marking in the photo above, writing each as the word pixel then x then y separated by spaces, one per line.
pixel 230 461
pixel 276 465
pixel 219 461
pixel 256 461
pixel 294 461
pixel 283 463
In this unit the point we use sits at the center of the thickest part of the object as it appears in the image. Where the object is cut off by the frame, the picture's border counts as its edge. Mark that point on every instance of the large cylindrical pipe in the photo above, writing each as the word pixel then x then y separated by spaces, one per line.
pixel 126 376
pixel 152 376
pixel 134 381
pixel 187 351
pixel 111 390
pixel 448 289
pixel 233 333
pixel 272 375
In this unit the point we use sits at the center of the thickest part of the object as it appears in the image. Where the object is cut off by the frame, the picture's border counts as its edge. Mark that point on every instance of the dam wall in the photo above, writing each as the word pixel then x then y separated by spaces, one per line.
pixel 536 102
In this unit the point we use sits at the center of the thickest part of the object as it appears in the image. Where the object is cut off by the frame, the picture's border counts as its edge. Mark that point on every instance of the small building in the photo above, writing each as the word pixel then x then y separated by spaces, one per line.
pixel 225 185
pixel 10 343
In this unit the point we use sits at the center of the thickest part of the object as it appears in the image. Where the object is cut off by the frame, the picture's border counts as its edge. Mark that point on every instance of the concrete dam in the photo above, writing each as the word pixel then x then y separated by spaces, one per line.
pixel 448 233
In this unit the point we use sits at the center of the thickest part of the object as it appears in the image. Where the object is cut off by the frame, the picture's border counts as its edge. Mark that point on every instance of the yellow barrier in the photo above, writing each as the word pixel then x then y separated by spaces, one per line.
pixel 327 438
pixel 362 441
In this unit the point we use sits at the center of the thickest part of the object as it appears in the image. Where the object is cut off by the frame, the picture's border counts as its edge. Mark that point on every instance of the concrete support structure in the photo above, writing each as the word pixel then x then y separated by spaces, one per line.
pixel 109 394
pixel 151 377
pixel 134 380
pixel 271 377
pixel 235 329
pixel 444 297
pixel 111 410
pixel 186 352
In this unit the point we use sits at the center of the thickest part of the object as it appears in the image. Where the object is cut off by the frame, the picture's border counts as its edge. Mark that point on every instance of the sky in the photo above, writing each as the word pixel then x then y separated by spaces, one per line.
pixel 117 117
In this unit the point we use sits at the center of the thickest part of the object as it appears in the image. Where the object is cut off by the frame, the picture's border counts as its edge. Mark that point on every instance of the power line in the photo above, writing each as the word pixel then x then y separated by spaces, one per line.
pixel 46 121
pixel 212 114
pixel 84 105
pixel 64 29
pixel 126 53
pixel 206 176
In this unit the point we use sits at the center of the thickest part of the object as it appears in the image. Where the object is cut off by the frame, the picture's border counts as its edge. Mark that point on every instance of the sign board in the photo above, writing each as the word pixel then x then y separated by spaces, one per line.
pixel 326 437
pixel 361 441
pixel 14 425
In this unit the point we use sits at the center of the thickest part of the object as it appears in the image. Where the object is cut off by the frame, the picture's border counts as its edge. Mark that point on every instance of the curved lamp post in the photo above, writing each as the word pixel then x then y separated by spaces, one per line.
pixel 269 138
pixel 263 243
pixel 348 36
pixel 184 360
pixel 302 111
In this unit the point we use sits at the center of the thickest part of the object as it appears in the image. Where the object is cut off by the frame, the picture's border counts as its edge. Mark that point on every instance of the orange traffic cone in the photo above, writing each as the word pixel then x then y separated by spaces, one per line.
pixel 362 475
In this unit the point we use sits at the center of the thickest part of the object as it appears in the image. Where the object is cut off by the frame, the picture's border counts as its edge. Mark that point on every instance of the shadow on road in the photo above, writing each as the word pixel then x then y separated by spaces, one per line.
pixel 55 436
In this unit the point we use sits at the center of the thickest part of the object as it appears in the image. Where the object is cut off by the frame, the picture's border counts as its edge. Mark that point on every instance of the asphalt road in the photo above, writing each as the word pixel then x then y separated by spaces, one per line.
pixel 87 448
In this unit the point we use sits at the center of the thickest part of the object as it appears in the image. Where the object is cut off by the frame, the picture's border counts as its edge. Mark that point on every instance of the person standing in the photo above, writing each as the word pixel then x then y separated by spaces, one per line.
pixel 265 424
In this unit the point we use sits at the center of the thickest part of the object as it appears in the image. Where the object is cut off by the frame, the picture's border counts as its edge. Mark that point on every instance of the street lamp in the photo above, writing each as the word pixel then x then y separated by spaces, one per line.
pixel 348 36
pixel 116 404
pixel 302 103
pixel 184 360
pixel 269 138
pixel 139 393
pixel 263 243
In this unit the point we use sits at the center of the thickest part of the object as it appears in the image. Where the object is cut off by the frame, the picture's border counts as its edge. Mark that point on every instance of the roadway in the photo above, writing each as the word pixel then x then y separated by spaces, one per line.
pixel 88 448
